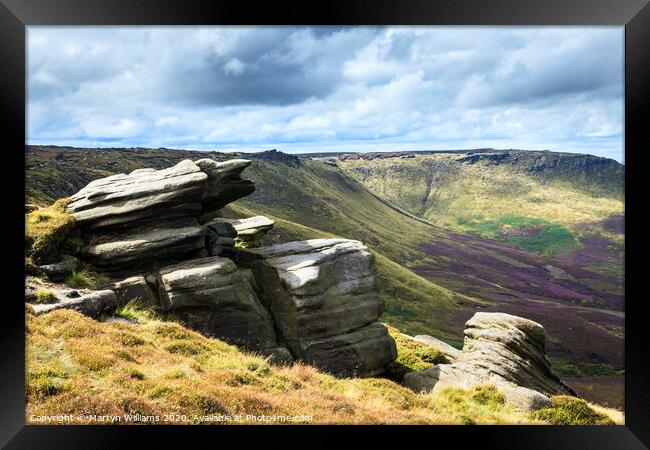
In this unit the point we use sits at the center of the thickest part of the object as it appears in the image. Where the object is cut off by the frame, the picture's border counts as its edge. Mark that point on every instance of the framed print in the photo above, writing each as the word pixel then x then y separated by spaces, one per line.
pixel 351 216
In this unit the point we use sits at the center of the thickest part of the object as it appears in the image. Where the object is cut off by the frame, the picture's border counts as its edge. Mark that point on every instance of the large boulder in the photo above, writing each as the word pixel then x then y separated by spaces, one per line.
pixel 323 296
pixel 142 194
pixel 218 298
pixel 500 349
pixel 134 289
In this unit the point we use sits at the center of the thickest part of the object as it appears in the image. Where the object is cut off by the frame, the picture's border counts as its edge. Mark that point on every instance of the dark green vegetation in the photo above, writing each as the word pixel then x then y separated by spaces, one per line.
pixel 432 280
pixel 583 369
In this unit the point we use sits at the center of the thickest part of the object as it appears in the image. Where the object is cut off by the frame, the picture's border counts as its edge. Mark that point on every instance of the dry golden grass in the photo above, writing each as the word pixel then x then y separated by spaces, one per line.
pixel 76 365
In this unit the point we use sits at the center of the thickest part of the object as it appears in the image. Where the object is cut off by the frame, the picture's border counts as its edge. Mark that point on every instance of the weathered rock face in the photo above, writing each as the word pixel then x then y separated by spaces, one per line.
pixel 145 245
pixel 219 235
pixel 150 217
pixel 222 296
pixel 503 350
pixel 134 289
pixel 249 231
pixel 323 296
pixel 224 184
pixel 143 194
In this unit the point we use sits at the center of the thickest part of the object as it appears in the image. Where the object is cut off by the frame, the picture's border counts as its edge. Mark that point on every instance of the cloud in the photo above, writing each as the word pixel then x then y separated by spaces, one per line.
pixel 328 88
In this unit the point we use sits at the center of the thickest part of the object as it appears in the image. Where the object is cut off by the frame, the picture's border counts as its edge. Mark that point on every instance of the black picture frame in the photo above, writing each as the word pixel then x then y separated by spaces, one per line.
pixel 15 15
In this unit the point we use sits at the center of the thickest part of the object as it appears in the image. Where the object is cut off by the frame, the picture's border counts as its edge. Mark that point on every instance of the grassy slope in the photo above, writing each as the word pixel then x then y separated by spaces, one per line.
pixel 467 197
pixel 76 365
pixel 315 200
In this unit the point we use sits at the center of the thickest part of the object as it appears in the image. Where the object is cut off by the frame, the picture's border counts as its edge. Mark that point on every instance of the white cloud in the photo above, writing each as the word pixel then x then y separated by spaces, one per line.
pixel 316 89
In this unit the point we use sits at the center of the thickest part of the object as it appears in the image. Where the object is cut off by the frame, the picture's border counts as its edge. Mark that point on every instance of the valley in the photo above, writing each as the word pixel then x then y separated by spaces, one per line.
pixel 545 244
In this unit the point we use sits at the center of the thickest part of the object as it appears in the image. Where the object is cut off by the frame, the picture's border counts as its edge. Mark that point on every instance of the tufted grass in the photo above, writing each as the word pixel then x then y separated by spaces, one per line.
pixel 566 410
pixel 80 279
pixel 77 365
pixel 50 232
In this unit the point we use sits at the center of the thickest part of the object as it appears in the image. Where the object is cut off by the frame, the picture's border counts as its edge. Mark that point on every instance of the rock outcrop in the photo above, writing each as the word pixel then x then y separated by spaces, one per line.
pixel 149 217
pixel 235 313
pixel 506 351
pixel 315 301
pixel 323 296
pixel 249 231
pixel 224 184
pixel 141 195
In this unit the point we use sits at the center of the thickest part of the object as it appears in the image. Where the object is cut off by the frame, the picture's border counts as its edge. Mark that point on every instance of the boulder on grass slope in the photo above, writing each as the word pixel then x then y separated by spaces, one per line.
pixel 500 349
pixel 323 296
pixel 134 289
pixel 217 297
pixel 60 270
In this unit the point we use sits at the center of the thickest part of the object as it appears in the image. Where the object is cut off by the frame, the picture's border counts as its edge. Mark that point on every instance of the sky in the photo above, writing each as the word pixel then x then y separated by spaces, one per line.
pixel 318 89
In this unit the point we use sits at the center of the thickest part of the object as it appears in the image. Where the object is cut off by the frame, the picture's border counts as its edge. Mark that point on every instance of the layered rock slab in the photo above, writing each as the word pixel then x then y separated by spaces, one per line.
pixel 324 299
pixel 218 296
pixel 145 245
pixel 149 216
pixel 87 302
pixel 142 194
pixel 249 231
pixel 500 349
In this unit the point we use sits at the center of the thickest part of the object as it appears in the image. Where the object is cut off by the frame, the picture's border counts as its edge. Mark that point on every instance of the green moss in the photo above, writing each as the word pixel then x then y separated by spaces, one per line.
pixel 45 296
pixel 566 410
pixel 488 396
